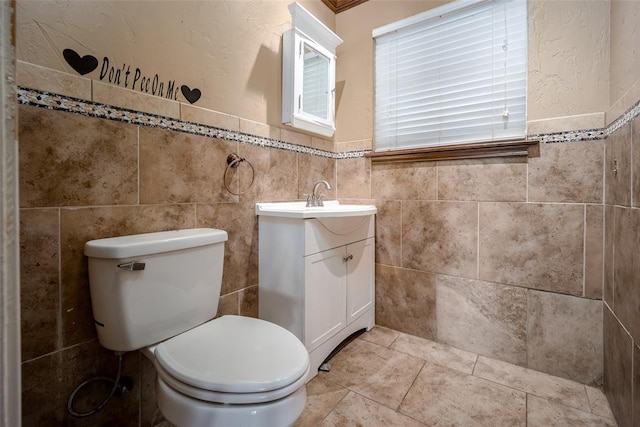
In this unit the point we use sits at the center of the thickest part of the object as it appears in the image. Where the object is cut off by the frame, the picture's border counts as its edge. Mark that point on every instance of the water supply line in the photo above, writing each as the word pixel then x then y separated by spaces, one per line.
pixel 116 384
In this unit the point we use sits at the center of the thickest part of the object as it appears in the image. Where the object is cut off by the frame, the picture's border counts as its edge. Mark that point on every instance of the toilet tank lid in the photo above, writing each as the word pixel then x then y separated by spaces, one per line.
pixel 152 243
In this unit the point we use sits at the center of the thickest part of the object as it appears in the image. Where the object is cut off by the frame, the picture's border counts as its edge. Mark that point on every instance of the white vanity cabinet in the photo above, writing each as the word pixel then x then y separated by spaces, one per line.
pixel 316 278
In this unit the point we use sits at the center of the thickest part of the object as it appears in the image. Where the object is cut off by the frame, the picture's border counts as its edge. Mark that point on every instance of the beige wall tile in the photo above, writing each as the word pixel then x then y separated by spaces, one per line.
pixel 357 145
pixel 312 169
pixel 72 160
pixel 485 318
pixel 440 237
pixel 52 378
pixel 636 382
pixel 275 174
pixel 569 172
pixel 489 180
pixel 354 178
pixel 617 167
pixel 626 101
pixel 594 251
pixel 248 301
pixel 618 369
pixel 538 246
pixel 626 270
pixel 181 168
pixel 609 234
pixel 413 181
pixel 77 226
pixel 39 281
pixel 228 304
pixel 48 80
pixel 389 232
pixel 241 250
pixel 635 162
pixel 405 300
pixel 294 137
pixel 109 94
pixel 323 144
pixel 565 336
pixel 568 123
pixel 259 129
pixel 191 113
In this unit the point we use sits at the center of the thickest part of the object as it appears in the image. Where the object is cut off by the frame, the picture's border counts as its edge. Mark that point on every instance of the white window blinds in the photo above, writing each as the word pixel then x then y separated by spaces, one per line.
pixel 454 74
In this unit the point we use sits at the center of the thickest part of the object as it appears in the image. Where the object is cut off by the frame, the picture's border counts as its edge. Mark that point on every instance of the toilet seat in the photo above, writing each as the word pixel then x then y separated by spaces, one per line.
pixel 233 359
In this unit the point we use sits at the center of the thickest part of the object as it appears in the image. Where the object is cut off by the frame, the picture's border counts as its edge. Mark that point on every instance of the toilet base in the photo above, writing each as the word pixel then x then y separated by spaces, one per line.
pixel 184 411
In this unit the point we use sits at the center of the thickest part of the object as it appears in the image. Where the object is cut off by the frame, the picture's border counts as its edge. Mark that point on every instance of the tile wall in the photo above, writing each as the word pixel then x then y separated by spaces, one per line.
pixel 504 258
pixel 84 178
pixel 499 257
pixel 622 274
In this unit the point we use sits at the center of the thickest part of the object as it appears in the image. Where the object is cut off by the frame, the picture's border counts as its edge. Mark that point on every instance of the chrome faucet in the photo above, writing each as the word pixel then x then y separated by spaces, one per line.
pixel 315 198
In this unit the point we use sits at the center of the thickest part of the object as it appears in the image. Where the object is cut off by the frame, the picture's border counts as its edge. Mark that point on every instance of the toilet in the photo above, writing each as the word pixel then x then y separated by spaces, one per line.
pixel 158 293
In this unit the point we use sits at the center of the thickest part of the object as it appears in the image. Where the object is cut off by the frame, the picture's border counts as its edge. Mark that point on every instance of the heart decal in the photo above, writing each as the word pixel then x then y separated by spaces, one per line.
pixel 83 65
pixel 191 95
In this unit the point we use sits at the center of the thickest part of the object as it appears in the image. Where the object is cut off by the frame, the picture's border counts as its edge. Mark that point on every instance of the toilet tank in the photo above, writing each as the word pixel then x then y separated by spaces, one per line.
pixel 146 288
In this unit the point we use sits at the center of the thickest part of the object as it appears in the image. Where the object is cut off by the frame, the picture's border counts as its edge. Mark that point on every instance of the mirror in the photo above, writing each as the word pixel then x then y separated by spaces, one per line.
pixel 315 83
pixel 308 74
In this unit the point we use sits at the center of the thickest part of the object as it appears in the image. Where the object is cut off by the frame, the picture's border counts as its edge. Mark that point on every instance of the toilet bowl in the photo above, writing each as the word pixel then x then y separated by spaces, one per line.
pixel 158 293
pixel 233 370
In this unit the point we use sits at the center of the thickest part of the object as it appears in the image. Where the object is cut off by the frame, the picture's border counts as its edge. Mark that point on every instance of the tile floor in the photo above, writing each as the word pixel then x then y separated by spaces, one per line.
pixel 387 378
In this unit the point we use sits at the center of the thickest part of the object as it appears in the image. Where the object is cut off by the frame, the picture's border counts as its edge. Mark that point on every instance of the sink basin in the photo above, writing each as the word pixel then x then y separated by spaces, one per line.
pixel 331 208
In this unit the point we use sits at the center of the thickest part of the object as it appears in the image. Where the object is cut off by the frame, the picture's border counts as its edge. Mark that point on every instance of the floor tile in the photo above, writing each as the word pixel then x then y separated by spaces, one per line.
pixel 355 410
pixel 544 413
pixel 376 372
pixel 565 391
pixel 389 378
pixel 322 397
pixel 433 352
pixel 381 336
pixel 444 397
pixel 599 403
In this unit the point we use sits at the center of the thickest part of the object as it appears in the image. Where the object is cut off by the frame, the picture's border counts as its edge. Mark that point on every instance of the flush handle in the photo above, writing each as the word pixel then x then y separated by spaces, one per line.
pixel 132 266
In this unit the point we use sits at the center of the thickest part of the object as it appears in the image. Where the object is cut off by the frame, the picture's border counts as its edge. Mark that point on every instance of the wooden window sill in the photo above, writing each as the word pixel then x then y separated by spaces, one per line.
pixel 477 150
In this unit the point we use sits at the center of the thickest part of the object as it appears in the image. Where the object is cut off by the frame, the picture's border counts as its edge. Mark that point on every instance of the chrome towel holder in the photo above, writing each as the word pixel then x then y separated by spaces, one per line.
pixel 233 162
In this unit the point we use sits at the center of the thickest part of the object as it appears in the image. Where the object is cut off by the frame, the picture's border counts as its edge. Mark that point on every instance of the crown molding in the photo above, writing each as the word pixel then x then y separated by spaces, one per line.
pixel 338 6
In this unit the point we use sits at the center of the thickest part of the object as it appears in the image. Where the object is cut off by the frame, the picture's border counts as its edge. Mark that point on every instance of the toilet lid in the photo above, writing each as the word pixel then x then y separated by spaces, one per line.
pixel 235 354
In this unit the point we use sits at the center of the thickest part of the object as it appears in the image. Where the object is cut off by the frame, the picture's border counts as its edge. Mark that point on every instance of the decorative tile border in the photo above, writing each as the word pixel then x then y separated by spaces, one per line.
pixel 52 101
pixel 569 136
pixel 590 134
pixel 625 118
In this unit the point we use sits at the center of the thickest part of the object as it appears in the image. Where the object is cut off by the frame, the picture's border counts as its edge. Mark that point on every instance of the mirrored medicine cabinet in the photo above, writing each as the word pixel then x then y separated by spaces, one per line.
pixel 309 73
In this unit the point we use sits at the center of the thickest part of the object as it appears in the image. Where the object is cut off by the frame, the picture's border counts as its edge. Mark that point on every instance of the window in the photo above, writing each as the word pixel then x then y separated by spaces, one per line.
pixel 455 74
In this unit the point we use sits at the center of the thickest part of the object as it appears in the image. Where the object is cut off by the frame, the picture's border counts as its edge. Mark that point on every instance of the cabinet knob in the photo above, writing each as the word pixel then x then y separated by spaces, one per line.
pixel 347 258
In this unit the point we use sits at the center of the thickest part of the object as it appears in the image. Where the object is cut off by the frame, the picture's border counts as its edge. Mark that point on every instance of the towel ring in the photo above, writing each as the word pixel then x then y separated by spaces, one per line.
pixel 233 161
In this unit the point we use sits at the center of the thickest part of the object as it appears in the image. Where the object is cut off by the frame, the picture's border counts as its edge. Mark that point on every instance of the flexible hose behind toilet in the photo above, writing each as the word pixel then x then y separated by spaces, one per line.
pixel 115 381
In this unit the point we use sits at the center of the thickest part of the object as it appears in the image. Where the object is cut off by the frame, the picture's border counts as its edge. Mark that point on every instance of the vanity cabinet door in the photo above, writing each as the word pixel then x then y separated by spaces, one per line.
pixel 325 296
pixel 360 278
